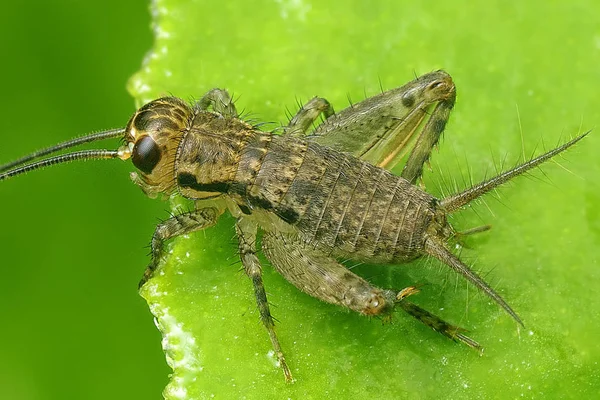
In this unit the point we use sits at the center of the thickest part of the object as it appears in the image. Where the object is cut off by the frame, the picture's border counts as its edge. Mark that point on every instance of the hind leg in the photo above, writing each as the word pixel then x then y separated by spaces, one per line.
pixel 323 277
pixel 380 128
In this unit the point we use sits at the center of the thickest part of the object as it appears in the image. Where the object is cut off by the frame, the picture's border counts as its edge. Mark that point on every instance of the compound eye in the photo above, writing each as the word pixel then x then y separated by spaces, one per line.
pixel 145 154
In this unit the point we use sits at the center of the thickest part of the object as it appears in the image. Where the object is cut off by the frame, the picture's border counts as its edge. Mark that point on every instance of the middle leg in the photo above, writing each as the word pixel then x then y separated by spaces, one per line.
pixel 246 232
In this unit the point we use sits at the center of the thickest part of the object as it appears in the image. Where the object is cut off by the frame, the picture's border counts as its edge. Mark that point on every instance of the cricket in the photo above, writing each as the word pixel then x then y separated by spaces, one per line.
pixel 316 193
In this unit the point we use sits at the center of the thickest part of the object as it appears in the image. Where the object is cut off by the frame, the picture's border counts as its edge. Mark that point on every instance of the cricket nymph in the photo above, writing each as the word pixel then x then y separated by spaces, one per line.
pixel 337 203
pixel 317 198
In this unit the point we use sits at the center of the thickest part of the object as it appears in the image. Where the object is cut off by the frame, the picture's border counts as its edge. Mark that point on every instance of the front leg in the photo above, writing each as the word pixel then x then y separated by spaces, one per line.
pixel 175 226
pixel 246 232
pixel 307 115
pixel 220 101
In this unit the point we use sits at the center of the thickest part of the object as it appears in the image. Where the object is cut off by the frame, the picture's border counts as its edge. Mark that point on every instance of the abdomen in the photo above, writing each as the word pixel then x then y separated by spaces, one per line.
pixel 339 204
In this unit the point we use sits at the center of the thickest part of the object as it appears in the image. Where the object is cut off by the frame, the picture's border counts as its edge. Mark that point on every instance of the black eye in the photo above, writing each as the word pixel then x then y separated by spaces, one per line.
pixel 145 154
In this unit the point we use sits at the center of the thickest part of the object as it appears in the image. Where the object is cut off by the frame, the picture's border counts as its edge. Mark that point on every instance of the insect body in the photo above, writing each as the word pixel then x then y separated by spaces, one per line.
pixel 317 198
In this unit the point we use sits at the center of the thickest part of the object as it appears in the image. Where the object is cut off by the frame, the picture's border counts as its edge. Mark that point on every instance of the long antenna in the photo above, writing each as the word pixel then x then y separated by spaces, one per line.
pixel 458 200
pixel 63 158
pixel 109 134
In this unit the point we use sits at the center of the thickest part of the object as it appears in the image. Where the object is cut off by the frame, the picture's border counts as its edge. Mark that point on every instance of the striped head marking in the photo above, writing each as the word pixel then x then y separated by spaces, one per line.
pixel 152 137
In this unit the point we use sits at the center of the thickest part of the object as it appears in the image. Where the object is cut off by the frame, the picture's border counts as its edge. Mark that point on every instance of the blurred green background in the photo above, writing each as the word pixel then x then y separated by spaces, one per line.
pixel 73 236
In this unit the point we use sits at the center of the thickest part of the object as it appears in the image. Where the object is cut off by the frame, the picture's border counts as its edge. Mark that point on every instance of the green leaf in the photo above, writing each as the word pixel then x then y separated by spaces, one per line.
pixel 526 77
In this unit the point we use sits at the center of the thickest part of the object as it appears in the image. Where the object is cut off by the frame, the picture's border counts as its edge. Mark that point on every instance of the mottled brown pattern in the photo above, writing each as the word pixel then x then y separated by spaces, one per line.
pixel 316 204
pixel 165 120
pixel 318 198
pixel 339 204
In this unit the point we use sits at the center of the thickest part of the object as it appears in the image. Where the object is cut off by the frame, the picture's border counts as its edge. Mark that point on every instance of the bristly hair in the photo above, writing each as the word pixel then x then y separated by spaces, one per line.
pixel 456 201
pixel 435 246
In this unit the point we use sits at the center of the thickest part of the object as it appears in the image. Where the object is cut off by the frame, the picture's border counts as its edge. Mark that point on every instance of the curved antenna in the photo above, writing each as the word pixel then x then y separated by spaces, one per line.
pixel 109 134
pixel 63 158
